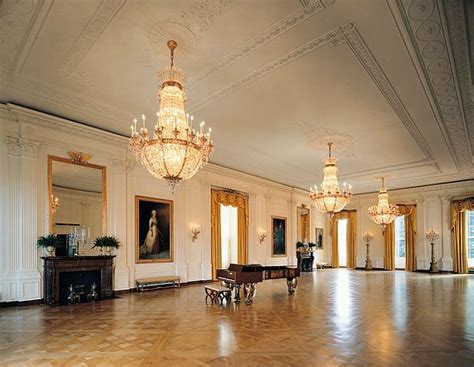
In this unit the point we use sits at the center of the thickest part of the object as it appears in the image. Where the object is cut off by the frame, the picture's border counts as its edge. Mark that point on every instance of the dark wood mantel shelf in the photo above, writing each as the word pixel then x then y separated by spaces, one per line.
pixel 55 267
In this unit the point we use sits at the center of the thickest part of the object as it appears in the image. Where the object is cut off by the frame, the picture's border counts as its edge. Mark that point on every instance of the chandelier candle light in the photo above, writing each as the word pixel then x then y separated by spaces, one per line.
pixel 432 236
pixel 330 198
pixel 176 151
pixel 383 213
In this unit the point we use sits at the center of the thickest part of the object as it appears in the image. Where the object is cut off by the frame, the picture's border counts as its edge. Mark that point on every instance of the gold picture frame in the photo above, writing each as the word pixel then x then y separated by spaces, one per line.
pixel 103 169
pixel 277 223
pixel 154 230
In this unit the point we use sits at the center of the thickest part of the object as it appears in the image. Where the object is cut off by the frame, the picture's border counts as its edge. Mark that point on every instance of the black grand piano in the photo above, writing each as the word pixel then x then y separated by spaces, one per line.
pixel 247 276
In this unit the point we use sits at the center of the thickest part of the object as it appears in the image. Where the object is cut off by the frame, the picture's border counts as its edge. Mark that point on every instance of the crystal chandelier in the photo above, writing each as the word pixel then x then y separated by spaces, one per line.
pixel 383 213
pixel 176 151
pixel 330 198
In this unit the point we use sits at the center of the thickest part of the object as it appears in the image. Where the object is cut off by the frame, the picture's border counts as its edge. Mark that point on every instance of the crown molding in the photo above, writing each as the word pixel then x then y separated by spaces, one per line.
pixel 105 13
pixel 41 119
pixel 306 11
pixel 424 31
pixel 445 189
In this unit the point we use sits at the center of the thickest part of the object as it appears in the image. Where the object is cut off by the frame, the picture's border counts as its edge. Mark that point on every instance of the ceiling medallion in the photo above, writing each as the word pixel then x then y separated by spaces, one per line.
pixel 330 198
pixel 176 151
pixel 383 213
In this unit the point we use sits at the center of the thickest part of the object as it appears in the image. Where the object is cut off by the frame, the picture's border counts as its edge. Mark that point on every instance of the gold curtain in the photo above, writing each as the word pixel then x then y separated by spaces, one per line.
pixel 458 233
pixel 239 201
pixel 351 215
pixel 409 213
pixel 389 245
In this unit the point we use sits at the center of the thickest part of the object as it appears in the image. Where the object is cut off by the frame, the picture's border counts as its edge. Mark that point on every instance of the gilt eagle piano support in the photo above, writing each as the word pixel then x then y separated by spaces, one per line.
pixel 247 277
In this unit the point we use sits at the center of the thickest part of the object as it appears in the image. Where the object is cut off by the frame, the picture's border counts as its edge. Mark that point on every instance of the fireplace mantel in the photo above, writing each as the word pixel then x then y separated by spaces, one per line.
pixel 56 266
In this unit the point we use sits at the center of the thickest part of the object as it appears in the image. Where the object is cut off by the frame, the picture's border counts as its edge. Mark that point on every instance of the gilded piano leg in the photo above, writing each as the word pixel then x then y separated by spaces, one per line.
pixel 237 293
pixel 292 284
pixel 250 289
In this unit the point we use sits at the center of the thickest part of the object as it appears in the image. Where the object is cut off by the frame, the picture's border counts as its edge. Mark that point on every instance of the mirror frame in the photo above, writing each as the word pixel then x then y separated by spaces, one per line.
pixel 299 210
pixel 103 169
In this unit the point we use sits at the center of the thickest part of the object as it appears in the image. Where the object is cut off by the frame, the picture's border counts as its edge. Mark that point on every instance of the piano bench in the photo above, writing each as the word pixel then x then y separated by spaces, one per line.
pixel 156 282
pixel 217 293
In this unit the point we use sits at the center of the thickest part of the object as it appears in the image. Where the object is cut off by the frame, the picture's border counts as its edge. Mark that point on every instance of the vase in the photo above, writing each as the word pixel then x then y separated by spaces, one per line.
pixel 51 250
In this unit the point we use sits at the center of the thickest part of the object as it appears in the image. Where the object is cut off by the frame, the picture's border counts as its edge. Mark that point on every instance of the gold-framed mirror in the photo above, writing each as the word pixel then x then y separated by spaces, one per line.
pixel 303 220
pixel 77 195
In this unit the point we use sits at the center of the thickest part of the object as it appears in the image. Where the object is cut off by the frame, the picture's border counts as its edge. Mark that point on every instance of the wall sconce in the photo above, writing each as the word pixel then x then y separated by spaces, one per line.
pixel 195 230
pixel 262 234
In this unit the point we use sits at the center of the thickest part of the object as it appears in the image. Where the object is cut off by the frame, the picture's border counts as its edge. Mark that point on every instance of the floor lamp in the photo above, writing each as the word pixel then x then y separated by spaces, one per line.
pixel 432 236
pixel 368 236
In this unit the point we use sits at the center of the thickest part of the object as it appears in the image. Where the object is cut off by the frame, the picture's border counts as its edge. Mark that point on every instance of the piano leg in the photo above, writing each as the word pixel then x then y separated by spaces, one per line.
pixel 250 289
pixel 292 283
pixel 236 293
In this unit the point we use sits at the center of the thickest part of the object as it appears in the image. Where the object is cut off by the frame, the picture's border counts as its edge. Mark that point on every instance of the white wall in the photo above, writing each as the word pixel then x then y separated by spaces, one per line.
pixel 28 137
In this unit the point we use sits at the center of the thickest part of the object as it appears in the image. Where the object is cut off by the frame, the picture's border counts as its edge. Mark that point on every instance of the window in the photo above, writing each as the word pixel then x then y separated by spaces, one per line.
pixel 342 241
pixel 228 236
pixel 400 242
pixel 470 237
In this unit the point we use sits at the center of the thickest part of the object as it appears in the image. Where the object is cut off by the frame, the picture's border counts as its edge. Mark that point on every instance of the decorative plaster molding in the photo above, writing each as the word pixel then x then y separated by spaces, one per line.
pixel 332 37
pixel 59 124
pixel 428 34
pixel 14 17
pixel 455 15
pixel 124 166
pixel 104 14
pixel 187 28
pixel 22 146
pixel 34 27
pixel 357 45
pixel 29 148
pixel 25 85
pixel 308 9
pixel 446 189
pixel 13 146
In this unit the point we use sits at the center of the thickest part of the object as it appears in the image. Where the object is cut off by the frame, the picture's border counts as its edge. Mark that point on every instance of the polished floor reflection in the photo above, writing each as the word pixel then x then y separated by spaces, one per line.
pixel 337 317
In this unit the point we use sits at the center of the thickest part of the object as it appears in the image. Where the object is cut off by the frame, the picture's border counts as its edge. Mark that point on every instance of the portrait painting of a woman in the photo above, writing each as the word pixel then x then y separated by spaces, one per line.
pixel 154 229
pixel 279 236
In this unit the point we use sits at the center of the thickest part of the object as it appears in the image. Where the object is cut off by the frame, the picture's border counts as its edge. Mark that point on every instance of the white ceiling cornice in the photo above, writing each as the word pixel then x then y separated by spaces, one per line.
pixel 422 25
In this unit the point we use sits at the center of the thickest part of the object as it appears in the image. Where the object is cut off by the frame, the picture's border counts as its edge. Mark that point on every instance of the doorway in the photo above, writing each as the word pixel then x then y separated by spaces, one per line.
pixel 342 242
pixel 400 249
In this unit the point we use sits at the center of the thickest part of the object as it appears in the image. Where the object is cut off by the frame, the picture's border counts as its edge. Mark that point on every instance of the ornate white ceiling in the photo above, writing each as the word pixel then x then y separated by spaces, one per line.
pixel 276 79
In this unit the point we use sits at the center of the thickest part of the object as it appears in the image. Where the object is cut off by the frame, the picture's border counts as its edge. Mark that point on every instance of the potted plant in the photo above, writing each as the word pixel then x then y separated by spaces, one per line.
pixel 107 243
pixel 49 242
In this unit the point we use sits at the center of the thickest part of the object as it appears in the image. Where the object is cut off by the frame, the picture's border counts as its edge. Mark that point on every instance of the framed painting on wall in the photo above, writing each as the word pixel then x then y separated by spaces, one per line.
pixel 153 230
pixel 319 238
pixel 278 236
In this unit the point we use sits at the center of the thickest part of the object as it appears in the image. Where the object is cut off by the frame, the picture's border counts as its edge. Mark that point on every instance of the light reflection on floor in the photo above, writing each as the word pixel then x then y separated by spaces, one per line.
pixel 336 317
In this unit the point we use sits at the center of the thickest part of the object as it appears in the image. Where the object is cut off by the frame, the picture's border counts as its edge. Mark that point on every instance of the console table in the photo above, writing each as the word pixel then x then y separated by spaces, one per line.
pixel 62 271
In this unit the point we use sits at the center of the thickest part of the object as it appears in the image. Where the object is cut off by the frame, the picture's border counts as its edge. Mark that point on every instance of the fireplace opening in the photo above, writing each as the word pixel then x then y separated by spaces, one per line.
pixel 81 282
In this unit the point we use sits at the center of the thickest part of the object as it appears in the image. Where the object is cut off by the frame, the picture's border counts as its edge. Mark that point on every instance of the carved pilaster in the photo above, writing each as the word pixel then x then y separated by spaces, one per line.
pixel 13 146
pixel 29 148
pixel 446 260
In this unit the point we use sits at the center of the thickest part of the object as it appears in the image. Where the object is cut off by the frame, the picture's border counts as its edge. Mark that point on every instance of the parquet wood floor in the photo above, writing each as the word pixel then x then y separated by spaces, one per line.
pixel 337 317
